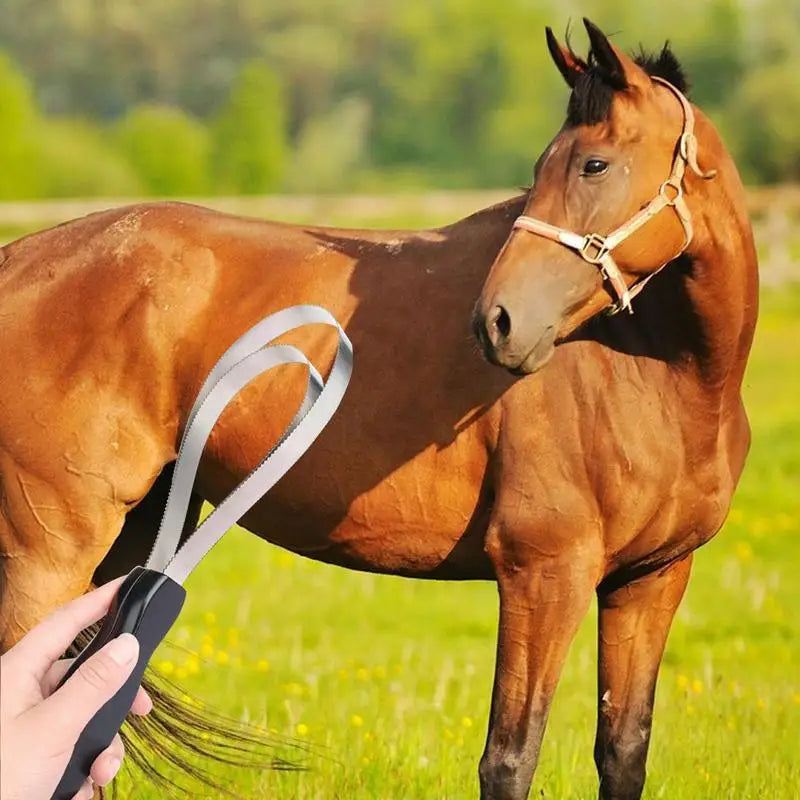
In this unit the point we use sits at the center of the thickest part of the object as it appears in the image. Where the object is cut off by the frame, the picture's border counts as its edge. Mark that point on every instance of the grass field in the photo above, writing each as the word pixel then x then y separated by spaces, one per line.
pixel 391 677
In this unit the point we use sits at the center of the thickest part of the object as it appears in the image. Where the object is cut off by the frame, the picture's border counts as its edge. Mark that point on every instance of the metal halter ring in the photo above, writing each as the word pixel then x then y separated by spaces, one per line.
pixel 600 251
pixel 677 187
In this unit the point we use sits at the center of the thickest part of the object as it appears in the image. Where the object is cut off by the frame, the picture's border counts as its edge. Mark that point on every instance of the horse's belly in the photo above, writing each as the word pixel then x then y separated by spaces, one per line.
pixel 425 517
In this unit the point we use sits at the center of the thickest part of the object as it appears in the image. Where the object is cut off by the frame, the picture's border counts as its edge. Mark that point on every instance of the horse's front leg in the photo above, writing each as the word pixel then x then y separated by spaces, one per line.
pixel 633 621
pixel 545 589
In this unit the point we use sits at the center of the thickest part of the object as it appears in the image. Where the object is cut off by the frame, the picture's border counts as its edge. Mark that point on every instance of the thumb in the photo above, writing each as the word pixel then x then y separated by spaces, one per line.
pixel 69 709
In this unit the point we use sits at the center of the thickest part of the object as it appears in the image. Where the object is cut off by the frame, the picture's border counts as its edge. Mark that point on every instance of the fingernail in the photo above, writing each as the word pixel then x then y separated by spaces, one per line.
pixel 113 767
pixel 124 649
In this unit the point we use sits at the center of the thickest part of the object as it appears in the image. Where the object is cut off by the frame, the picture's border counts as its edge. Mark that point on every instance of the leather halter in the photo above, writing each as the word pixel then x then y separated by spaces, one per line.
pixel 596 249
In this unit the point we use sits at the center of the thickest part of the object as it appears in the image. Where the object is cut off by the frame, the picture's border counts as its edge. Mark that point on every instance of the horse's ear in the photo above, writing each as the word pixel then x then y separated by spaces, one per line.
pixel 569 65
pixel 618 69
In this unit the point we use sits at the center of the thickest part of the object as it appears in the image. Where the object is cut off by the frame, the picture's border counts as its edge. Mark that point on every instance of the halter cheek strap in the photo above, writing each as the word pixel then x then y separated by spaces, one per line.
pixel 596 249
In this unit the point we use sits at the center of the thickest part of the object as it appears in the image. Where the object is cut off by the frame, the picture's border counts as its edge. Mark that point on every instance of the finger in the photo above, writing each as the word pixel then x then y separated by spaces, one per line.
pixel 142 704
pixel 94 683
pixel 48 640
pixel 107 764
pixel 86 791
pixel 53 676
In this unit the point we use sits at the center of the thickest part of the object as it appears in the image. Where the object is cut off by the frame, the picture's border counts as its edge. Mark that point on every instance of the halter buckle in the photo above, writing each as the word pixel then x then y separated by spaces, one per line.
pixel 594 248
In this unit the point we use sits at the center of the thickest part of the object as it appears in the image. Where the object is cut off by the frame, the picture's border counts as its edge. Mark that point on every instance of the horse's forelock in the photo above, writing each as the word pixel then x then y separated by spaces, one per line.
pixel 592 95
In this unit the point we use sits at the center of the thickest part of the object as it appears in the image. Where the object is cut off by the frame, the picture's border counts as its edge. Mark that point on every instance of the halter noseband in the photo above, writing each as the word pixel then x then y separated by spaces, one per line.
pixel 596 249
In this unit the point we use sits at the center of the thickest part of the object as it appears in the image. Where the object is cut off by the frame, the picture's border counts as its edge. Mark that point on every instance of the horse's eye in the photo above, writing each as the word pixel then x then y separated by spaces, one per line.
pixel 594 166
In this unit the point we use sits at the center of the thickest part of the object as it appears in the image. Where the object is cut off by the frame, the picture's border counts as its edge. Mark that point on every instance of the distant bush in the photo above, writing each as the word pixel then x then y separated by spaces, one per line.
pixel 249 147
pixel 20 173
pixel 330 149
pixel 168 149
pixel 76 159
pixel 766 117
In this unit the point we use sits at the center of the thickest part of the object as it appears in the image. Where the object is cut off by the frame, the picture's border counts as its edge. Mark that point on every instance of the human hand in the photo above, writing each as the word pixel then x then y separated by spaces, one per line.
pixel 39 726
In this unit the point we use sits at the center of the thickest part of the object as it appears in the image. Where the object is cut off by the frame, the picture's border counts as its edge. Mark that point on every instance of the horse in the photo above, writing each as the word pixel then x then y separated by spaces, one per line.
pixel 438 464
pixel 623 459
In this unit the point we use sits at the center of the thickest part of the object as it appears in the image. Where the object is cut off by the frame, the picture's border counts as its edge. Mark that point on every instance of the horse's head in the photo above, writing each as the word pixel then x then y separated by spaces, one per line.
pixel 617 167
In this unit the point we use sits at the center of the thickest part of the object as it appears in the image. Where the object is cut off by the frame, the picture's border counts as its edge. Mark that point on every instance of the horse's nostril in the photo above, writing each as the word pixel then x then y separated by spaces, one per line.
pixel 503 323
pixel 499 325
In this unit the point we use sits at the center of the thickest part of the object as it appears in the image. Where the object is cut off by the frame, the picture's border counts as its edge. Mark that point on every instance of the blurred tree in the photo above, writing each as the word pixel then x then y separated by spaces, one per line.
pixel 76 159
pixel 330 149
pixel 249 138
pixel 455 92
pixel 714 57
pixel 167 148
pixel 20 176
pixel 765 116
pixel 440 76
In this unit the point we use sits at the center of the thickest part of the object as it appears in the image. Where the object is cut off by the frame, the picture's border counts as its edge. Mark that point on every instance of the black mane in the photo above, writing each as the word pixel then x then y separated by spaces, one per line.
pixel 592 94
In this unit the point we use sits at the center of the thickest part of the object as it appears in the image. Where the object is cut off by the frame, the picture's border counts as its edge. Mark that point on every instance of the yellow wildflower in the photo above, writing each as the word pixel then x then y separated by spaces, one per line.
pixel 744 552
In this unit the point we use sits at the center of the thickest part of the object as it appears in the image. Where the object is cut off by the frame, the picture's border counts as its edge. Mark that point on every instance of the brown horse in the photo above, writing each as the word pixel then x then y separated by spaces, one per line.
pixel 624 458
pixel 603 473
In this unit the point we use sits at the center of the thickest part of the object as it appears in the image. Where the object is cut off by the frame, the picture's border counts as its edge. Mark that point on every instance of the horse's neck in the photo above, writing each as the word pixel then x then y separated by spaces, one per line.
pixel 698 314
pixel 722 287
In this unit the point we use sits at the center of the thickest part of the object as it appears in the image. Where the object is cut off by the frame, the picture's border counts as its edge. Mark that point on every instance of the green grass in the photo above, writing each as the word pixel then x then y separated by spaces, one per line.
pixel 392 677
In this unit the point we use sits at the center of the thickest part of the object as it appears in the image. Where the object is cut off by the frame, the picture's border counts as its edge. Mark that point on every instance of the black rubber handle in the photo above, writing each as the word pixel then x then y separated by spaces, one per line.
pixel 146 605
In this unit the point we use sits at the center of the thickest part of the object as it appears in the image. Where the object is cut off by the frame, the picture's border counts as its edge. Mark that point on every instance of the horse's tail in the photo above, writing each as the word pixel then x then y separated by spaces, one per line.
pixel 180 743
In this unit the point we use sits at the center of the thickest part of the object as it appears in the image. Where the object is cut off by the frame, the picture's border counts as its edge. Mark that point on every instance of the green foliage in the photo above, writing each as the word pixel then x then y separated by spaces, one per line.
pixel 446 93
pixel 76 159
pixel 330 148
pixel 249 134
pixel 167 148
pixel 20 176
pixel 767 118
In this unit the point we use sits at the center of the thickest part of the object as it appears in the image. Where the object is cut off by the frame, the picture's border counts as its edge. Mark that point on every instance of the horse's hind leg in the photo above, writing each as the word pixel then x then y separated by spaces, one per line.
pixel 542 601
pixel 633 624
pixel 51 540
